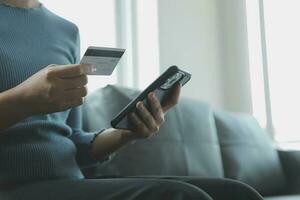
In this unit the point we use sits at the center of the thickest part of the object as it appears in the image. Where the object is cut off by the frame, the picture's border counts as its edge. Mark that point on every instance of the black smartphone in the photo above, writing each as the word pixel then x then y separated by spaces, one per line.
pixel 162 87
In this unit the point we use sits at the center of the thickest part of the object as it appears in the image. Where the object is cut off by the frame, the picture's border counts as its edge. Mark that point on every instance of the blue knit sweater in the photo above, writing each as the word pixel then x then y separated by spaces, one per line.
pixel 51 146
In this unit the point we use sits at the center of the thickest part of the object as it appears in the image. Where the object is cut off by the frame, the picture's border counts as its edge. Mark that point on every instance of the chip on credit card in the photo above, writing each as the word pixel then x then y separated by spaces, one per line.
pixel 103 58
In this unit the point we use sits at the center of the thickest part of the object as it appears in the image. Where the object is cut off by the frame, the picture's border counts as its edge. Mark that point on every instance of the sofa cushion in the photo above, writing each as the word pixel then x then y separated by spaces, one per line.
pixel 187 143
pixel 290 160
pixel 288 197
pixel 248 153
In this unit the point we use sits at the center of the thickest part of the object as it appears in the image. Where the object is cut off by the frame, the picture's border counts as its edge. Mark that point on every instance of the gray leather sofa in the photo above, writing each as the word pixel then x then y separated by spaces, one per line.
pixel 198 141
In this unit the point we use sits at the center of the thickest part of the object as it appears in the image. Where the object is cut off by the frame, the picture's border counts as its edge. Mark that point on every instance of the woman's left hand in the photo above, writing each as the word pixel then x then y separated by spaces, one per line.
pixel 146 123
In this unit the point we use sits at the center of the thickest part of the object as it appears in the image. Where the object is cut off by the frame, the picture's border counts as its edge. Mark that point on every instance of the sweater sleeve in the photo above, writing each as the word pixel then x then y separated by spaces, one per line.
pixel 82 140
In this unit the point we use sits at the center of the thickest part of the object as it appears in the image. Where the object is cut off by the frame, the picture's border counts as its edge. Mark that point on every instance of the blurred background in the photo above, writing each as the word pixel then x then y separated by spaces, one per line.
pixel 243 54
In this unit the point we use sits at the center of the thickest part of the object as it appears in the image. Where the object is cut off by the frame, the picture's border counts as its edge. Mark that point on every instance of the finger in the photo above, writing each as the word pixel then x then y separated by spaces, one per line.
pixel 67 71
pixel 138 126
pixel 128 135
pixel 147 117
pixel 156 108
pixel 75 82
pixel 76 93
pixel 173 99
pixel 67 105
pixel 74 103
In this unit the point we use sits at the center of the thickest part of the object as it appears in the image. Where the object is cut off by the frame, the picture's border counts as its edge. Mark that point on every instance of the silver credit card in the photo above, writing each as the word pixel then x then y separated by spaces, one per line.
pixel 103 58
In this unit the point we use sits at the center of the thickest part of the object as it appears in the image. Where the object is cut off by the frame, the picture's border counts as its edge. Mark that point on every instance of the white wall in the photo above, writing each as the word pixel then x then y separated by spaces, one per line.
pixel 235 71
pixel 209 39
pixel 189 38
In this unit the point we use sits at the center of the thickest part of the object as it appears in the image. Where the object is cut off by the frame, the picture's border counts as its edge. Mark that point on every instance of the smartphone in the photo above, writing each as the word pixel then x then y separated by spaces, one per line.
pixel 162 87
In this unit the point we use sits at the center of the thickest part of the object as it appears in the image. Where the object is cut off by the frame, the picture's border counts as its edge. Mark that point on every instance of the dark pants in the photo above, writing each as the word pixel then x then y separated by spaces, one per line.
pixel 137 188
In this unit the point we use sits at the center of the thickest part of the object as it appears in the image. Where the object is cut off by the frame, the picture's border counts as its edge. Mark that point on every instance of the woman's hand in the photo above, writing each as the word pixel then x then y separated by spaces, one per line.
pixel 145 123
pixel 53 89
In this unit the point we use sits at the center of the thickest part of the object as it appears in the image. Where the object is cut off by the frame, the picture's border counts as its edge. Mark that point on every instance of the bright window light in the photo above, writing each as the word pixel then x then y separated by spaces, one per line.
pixel 137 32
pixel 283 45
pixel 96 22
pixel 255 59
pixel 148 50
pixel 282 32
pixel 129 24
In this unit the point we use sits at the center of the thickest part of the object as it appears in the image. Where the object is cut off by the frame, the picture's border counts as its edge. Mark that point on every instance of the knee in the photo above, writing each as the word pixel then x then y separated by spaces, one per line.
pixel 169 189
pixel 242 188
pixel 231 189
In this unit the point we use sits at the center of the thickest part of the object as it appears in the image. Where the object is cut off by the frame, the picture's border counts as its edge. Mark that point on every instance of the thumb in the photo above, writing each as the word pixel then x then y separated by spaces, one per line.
pixel 173 99
pixel 67 71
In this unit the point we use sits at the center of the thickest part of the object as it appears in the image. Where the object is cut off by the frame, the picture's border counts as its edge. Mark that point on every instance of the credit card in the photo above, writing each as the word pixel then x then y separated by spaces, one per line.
pixel 104 59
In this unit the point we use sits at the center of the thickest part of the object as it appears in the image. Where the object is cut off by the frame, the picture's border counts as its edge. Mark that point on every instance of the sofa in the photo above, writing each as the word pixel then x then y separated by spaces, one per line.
pixel 197 141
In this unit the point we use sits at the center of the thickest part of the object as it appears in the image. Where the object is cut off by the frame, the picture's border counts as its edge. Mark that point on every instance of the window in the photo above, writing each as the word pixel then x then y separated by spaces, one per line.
pixel 274 55
pixel 96 21
pixel 137 25
pixel 255 59
pixel 128 24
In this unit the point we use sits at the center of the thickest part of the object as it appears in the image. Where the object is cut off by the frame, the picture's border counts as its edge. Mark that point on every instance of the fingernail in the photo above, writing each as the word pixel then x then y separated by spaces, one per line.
pixel 162 116
pixel 139 104
pixel 87 68
pixel 152 95
pixel 93 68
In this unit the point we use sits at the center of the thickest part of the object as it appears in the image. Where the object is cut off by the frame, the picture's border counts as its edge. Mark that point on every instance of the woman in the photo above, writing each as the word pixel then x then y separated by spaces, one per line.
pixel 42 145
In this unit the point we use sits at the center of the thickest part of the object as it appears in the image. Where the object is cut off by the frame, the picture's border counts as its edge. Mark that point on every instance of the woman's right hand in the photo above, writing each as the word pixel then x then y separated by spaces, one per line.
pixel 53 89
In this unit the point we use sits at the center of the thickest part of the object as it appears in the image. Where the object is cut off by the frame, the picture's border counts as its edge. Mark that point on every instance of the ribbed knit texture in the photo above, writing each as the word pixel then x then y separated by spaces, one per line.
pixel 42 146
